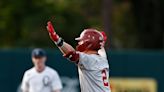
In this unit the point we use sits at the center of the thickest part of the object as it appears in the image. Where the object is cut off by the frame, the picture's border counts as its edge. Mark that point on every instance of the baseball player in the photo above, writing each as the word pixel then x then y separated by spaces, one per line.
pixel 40 78
pixel 93 68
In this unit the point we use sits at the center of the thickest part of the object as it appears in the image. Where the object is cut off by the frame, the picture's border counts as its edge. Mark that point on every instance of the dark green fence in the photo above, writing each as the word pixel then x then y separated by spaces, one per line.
pixel 147 64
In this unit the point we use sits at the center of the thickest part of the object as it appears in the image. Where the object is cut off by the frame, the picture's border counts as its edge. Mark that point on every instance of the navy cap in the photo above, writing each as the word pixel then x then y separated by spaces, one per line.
pixel 38 52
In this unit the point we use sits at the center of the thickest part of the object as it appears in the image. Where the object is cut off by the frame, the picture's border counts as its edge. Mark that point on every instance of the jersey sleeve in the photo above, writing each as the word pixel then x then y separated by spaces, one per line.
pixel 56 82
pixel 25 85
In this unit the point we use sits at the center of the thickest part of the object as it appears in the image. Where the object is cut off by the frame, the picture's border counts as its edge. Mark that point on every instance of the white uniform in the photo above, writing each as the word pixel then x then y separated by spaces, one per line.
pixel 93 73
pixel 46 81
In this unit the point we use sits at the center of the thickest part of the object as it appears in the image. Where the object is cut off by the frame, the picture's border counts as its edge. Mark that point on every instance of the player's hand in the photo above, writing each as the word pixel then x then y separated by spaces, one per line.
pixel 52 32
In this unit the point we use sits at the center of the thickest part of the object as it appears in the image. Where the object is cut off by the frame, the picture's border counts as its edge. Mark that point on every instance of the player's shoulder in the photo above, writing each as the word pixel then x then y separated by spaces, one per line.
pixel 84 55
pixel 29 71
pixel 51 70
pixel 88 57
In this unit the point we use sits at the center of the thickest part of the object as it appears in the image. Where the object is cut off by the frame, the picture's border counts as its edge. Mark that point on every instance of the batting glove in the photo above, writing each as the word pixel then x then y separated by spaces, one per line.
pixel 53 35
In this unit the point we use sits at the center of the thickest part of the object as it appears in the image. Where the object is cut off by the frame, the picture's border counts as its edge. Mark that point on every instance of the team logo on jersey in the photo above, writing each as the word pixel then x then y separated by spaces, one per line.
pixel 46 80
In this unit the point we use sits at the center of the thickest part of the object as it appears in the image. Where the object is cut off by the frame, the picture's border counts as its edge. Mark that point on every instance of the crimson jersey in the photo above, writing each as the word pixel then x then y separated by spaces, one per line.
pixel 93 73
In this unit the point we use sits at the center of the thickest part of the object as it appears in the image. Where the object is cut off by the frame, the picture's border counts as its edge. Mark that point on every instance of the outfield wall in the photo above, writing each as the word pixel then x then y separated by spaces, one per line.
pixel 124 65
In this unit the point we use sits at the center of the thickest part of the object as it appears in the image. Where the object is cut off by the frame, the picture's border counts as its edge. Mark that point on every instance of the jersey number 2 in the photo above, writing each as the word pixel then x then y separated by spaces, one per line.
pixel 104 77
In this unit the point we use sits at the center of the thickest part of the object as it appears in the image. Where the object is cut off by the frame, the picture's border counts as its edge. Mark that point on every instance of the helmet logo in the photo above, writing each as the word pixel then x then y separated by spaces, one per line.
pixel 93 37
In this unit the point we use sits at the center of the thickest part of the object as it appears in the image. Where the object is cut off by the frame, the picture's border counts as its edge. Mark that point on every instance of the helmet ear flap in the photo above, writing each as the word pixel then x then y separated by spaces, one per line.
pixel 89 46
pixel 84 46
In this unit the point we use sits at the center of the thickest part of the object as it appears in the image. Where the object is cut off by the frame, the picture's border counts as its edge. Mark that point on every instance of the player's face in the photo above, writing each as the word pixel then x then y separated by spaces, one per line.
pixel 39 62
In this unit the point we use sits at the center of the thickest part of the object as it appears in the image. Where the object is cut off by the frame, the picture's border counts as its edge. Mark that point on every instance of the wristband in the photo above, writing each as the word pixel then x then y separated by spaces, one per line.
pixel 60 42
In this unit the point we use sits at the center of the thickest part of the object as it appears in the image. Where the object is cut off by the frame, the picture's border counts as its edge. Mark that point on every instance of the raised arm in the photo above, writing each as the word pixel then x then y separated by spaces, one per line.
pixel 67 50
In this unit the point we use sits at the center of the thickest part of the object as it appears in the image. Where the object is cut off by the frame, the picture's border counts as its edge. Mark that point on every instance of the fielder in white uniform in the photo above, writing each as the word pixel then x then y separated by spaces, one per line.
pixel 40 78
pixel 93 68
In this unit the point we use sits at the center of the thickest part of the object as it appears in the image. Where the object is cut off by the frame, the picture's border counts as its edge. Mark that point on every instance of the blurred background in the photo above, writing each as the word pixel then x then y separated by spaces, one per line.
pixel 135 45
